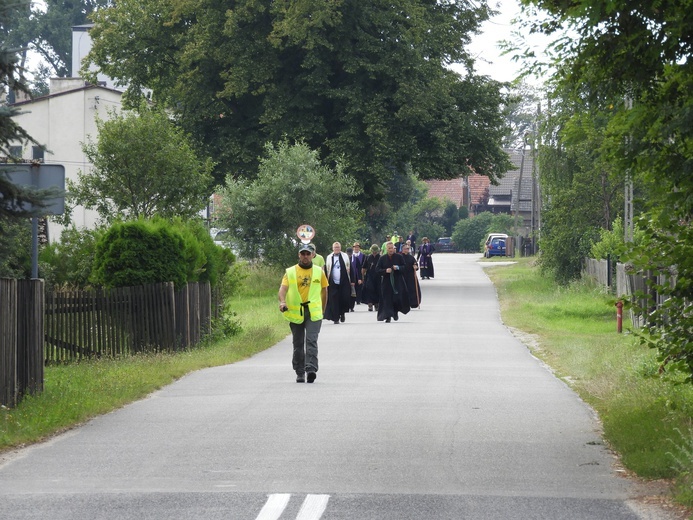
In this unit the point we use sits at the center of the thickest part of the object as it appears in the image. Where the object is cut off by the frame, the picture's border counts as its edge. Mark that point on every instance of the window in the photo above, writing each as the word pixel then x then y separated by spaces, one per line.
pixel 37 153
pixel 16 152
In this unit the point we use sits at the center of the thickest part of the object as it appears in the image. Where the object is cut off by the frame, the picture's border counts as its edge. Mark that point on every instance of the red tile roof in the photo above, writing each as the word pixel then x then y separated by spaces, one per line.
pixel 452 189
pixel 478 189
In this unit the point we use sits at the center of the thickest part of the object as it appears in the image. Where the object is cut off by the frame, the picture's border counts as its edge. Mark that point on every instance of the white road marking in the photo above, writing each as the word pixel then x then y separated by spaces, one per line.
pixel 274 507
pixel 313 507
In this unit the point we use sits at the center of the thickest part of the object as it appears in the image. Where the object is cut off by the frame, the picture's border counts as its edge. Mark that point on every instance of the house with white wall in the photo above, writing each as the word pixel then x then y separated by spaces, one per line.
pixel 65 119
pixel 62 121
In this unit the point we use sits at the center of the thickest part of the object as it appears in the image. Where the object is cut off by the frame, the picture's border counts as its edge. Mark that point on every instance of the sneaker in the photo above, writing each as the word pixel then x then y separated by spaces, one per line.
pixel 300 377
pixel 370 308
pixel 311 376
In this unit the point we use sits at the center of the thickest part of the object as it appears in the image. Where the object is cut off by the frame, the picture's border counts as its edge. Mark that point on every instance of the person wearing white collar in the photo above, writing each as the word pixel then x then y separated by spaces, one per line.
pixel 337 268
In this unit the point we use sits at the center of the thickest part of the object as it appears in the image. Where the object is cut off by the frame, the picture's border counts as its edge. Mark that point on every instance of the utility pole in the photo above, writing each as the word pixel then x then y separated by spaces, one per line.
pixel 519 192
pixel 628 225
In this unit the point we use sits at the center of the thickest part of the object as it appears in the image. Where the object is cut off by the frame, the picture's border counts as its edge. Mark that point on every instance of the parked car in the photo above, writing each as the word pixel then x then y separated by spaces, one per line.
pixel 490 237
pixel 496 247
pixel 445 245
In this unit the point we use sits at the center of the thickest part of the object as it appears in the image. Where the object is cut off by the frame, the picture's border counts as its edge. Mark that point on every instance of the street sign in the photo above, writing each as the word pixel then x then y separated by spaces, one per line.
pixel 39 177
pixel 305 233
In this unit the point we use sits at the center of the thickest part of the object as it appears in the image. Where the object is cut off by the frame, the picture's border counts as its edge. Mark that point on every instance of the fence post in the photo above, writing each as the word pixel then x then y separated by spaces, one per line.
pixel 8 342
pixel 30 337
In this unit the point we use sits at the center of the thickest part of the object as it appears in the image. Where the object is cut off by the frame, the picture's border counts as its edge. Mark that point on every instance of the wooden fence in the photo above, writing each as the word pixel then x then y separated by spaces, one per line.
pixel 21 339
pixel 626 284
pixel 73 325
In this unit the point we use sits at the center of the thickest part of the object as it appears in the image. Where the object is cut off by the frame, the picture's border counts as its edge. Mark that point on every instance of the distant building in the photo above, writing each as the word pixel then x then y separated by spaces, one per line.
pixel 479 195
pixel 64 119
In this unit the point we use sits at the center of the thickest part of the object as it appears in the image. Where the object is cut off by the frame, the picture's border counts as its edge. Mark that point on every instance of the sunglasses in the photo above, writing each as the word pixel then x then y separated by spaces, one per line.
pixel 305 253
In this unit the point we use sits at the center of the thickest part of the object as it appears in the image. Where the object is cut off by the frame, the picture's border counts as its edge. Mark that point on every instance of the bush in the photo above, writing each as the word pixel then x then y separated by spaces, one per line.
pixel 469 232
pixel 70 261
pixel 141 252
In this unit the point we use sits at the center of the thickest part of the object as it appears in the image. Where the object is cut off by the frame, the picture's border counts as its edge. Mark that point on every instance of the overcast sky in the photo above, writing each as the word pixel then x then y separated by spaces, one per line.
pixel 489 61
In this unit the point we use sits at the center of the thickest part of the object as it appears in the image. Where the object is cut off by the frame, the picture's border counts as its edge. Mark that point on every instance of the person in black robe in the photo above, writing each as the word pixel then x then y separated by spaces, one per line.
pixel 424 258
pixel 393 289
pixel 410 277
pixel 371 279
pixel 355 275
pixel 337 270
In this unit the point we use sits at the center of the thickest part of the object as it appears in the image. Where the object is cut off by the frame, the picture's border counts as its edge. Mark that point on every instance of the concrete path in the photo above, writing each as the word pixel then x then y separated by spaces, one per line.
pixel 441 415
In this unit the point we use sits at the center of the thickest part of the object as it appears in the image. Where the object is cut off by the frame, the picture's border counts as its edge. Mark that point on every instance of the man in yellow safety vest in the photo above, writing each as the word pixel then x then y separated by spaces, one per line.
pixel 302 299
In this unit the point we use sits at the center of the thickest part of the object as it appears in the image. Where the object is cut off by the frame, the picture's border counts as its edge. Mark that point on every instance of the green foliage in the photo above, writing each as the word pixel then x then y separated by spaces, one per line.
pixel 207 262
pixel 140 252
pixel 469 234
pixel 292 188
pixel 633 53
pixel 669 325
pixel 364 84
pixel 143 165
pixel 612 241
pixel 11 196
pixel 46 28
pixel 158 250
pixel 69 262
pixel 15 248
pixel 566 239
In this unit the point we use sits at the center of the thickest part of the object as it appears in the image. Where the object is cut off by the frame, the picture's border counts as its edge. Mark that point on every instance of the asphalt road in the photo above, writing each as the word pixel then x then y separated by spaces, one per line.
pixel 441 415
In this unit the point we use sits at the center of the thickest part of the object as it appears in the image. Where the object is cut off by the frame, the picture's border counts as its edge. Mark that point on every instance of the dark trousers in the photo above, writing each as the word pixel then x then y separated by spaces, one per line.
pixel 305 340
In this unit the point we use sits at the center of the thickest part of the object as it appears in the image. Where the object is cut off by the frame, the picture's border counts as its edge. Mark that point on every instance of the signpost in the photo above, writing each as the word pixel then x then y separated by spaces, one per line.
pixel 38 176
pixel 305 233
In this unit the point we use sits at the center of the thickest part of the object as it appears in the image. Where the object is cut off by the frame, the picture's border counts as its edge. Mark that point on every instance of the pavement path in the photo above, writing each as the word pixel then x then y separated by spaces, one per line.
pixel 441 415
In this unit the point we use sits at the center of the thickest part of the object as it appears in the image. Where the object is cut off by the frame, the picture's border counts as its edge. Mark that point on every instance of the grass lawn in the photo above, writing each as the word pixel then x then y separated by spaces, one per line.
pixel 647 417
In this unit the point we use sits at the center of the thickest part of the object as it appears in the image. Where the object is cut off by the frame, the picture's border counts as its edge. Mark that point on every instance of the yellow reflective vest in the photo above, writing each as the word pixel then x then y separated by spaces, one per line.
pixel 293 298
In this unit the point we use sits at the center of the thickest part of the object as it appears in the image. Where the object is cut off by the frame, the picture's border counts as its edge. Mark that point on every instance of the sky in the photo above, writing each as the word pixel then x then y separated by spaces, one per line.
pixel 484 46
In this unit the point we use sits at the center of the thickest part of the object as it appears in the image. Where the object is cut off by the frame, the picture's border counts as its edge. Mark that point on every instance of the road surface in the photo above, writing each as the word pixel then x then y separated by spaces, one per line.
pixel 441 415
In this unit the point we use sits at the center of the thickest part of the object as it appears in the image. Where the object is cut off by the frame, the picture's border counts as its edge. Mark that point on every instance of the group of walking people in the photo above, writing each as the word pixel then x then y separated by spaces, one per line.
pixel 318 289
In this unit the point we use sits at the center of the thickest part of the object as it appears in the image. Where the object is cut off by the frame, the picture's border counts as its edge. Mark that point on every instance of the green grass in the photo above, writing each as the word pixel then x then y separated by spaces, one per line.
pixel 647 417
pixel 75 393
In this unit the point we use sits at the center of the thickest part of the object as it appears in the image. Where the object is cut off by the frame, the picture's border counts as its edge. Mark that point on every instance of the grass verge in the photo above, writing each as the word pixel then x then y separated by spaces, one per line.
pixel 77 392
pixel 647 418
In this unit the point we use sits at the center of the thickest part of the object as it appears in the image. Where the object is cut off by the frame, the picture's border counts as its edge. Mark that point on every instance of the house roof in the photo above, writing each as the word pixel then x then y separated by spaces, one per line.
pixel 452 189
pixel 478 188
pixel 85 86
pixel 508 184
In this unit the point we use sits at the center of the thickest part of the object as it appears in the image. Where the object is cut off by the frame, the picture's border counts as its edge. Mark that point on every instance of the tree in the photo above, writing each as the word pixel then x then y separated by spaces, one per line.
pixel 12 198
pixel 521 114
pixel 469 233
pixel 292 188
pixel 143 165
pixel 641 52
pixel 363 82
pixel 46 29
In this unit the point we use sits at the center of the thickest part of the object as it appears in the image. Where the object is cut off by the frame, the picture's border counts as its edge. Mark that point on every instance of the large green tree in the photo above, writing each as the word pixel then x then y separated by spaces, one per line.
pixel 46 29
pixel 292 188
pixel 364 82
pixel 142 166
